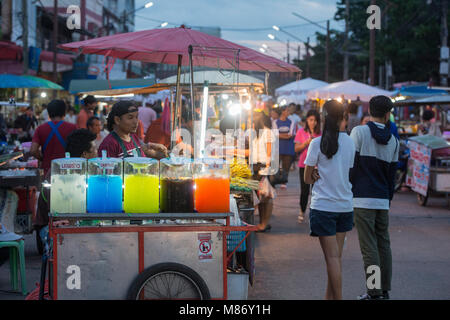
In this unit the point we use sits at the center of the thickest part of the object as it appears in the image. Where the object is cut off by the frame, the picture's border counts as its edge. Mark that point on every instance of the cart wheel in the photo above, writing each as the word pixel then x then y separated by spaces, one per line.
pixel 168 281
pixel 39 244
pixel 422 200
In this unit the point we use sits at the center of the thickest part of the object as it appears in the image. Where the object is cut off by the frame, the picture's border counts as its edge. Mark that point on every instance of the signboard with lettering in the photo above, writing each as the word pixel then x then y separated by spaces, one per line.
pixel 419 167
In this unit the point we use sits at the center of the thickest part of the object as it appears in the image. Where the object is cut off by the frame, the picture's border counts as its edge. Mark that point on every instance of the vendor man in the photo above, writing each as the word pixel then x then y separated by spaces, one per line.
pixel 122 141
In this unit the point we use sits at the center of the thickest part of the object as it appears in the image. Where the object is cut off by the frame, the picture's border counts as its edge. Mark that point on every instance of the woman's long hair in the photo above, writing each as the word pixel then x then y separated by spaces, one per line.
pixel 335 113
pixel 316 115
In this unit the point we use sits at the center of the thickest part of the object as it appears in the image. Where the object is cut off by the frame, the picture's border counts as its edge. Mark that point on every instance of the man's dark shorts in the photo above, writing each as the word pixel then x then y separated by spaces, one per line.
pixel 324 223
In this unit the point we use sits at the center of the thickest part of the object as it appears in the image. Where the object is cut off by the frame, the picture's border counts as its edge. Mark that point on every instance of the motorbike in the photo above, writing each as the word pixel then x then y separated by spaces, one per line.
pixel 402 166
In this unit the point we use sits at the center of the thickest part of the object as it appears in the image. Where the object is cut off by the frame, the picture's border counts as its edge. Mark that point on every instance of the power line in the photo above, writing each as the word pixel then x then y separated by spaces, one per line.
pixel 229 29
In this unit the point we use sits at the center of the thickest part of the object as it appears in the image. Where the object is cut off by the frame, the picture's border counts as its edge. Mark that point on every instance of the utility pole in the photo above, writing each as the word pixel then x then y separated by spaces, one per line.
pixel 364 74
pixel 372 53
pixel 347 18
pixel 307 58
pixel 298 53
pixel 83 17
pixel 25 35
pixel 327 53
pixel 288 58
pixel 444 45
pixel 55 42
pixel 6 16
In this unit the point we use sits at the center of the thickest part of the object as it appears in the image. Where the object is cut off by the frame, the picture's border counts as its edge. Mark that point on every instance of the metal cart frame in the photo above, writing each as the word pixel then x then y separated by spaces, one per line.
pixel 57 234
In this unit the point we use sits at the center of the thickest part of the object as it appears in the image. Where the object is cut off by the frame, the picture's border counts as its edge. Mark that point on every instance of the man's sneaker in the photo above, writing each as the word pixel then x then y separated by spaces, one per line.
pixel 367 296
pixel 386 295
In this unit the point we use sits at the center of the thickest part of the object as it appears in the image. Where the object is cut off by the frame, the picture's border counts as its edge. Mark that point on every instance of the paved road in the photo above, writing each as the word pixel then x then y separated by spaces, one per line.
pixel 290 265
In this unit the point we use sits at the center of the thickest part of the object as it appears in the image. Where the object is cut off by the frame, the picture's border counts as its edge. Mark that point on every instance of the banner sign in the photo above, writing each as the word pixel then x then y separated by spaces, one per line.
pixel 419 167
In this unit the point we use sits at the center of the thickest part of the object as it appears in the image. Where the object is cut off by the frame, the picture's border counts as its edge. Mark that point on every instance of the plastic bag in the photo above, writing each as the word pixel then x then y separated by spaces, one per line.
pixel 266 190
pixel 235 220
pixel 235 237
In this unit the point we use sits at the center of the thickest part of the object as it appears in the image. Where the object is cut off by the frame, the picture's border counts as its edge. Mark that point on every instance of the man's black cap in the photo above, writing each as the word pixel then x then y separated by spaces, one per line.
pixel 123 107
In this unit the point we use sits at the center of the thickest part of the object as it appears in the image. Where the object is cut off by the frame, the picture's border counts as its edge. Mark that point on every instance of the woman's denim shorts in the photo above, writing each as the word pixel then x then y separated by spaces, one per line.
pixel 324 223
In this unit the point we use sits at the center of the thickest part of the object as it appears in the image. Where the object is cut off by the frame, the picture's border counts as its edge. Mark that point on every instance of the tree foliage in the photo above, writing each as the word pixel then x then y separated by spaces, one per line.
pixel 409 37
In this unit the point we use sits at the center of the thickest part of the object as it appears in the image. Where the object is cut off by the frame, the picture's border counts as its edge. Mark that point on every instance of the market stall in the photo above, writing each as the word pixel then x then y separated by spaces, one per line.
pixel 179 46
pixel 20 174
pixel 409 112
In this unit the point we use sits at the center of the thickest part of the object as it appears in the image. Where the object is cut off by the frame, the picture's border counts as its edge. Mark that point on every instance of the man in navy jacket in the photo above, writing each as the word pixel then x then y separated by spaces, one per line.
pixel 372 178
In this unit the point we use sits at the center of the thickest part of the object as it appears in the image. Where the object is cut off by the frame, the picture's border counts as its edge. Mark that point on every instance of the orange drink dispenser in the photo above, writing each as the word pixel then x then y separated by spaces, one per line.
pixel 212 185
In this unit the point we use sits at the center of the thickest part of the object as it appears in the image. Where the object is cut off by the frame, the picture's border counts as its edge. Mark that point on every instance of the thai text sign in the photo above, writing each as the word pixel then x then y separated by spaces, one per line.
pixel 419 167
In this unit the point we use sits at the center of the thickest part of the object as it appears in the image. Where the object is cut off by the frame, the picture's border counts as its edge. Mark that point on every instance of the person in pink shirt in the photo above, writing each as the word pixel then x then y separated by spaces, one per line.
pixel 302 140
pixel 147 115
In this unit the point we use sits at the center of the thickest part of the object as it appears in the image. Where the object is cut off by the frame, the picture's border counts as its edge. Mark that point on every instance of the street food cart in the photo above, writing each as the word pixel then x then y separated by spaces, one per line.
pixel 429 167
pixel 153 243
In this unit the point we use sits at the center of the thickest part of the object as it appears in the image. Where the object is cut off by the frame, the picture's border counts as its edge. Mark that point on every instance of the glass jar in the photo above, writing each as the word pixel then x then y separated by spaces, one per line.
pixel 105 182
pixel 68 186
pixel 177 185
pixel 141 185
pixel 212 185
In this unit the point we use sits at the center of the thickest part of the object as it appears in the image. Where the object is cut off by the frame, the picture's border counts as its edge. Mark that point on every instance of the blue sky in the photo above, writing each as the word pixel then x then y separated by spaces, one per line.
pixel 244 14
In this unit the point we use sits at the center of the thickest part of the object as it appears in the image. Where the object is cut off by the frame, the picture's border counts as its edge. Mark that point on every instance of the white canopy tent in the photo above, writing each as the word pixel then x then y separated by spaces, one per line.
pixel 295 92
pixel 299 87
pixel 349 89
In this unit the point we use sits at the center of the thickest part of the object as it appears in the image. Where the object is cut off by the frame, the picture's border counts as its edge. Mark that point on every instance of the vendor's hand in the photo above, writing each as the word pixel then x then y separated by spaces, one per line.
pixel 159 149
pixel 315 175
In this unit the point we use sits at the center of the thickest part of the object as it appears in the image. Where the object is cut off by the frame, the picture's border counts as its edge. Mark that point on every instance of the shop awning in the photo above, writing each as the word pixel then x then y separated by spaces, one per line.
pixel 10 51
pixel 26 81
pixel 430 141
pixel 61 58
pixel 432 100
pixel 44 83
pixel 120 86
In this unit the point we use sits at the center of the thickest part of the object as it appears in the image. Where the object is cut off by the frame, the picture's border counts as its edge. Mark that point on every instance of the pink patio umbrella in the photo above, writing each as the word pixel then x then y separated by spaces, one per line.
pixel 165 46
pixel 180 46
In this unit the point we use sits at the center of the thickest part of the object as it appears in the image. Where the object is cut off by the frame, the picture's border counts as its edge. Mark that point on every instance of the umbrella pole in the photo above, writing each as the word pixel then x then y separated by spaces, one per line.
pixel 172 112
pixel 177 100
pixel 191 66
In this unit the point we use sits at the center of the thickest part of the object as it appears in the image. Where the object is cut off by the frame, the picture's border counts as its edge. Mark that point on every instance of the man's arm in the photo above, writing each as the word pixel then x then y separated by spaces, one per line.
pixel 35 151
pixel 393 170
pixel 285 136
pixel 357 141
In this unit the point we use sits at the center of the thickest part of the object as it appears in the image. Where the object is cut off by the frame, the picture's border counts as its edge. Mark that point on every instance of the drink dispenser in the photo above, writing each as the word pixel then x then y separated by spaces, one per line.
pixel 68 185
pixel 212 181
pixel 177 185
pixel 141 185
pixel 104 185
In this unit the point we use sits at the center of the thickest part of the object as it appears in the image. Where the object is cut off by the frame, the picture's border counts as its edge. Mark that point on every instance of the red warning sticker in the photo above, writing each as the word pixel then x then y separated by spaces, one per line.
pixel 204 246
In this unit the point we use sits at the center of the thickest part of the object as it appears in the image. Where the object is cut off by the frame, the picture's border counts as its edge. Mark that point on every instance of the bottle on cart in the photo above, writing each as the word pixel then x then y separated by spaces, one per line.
pixel 68 185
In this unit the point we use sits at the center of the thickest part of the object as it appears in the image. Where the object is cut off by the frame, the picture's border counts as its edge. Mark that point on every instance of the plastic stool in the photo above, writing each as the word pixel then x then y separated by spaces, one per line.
pixel 16 251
